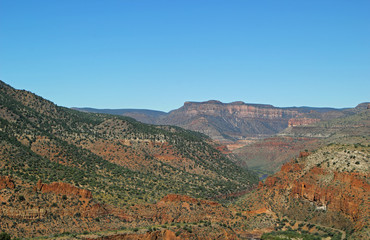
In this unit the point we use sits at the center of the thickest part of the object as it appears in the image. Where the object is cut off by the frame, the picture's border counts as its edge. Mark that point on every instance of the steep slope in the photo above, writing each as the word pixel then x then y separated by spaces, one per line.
pixel 329 187
pixel 119 159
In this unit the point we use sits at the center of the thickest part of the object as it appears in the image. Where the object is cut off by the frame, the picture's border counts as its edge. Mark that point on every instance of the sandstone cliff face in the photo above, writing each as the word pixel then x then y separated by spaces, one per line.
pixel 231 121
pixel 237 109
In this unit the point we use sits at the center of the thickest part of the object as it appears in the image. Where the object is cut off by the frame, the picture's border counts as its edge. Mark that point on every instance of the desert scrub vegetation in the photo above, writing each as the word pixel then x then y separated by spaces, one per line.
pixel 40 140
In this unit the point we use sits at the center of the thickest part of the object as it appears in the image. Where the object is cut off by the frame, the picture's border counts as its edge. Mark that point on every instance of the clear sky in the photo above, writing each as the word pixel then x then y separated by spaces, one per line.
pixel 157 54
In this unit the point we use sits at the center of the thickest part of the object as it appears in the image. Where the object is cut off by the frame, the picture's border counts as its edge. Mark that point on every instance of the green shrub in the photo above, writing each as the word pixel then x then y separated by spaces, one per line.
pixel 5 236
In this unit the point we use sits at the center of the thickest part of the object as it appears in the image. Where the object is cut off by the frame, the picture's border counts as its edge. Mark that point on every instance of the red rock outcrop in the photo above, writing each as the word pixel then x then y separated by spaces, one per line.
pixel 271 181
pixel 289 167
pixel 304 154
pixel 344 192
pixel 6 182
pixel 345 197
pixel 302 121
pixel 62 188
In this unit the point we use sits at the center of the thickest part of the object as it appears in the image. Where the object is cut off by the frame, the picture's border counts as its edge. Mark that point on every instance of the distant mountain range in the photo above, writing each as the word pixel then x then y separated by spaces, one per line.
pixel 142 115
pixel 232 121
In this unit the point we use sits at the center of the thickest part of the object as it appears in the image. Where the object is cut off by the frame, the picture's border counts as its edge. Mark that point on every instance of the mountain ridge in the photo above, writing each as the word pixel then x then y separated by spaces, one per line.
pixel 232 121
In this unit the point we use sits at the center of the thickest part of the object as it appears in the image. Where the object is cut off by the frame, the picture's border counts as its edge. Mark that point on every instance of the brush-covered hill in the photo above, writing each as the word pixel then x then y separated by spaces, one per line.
pixel 119 159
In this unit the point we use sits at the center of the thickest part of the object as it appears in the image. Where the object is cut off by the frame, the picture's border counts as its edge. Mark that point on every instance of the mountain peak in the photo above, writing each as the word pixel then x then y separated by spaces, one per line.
pixel 363 106
pixel 188 103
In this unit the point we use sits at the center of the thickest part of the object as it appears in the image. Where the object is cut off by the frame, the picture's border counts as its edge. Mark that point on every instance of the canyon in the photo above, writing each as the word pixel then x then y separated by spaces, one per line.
pixel 67 174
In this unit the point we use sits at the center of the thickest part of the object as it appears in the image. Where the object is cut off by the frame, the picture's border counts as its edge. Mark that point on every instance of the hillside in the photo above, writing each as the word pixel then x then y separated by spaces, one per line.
pixel 141 115
pixel 121 161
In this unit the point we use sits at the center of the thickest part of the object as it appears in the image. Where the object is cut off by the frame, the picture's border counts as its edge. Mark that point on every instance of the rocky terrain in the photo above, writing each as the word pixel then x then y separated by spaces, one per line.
pixel 328 187
pixel 63 211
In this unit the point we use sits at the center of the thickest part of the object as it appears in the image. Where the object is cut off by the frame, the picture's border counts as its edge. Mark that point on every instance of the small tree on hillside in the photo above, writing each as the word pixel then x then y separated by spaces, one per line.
pixel 4 236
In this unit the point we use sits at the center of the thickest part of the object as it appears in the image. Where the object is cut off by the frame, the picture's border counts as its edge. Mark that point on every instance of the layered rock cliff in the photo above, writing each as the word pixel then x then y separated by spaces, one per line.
pixel 231 121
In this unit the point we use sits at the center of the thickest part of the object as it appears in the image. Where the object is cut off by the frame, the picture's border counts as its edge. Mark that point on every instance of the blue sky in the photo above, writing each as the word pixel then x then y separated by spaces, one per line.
pixel 159 54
